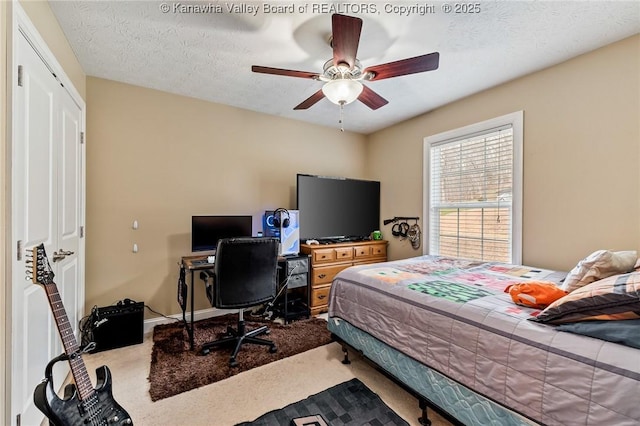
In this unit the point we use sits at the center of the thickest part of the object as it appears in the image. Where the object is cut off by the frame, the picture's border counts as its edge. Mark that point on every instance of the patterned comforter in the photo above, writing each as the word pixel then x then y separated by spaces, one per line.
pixel 453 316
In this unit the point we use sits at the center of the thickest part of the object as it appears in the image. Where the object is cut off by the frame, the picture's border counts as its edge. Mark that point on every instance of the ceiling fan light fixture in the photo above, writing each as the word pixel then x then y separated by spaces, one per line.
pixel 342 91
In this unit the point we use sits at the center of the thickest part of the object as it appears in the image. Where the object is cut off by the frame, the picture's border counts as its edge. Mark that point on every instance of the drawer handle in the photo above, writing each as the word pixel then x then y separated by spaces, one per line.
pixel 344 254
pixel 322 275
pixel 323 257
pixel 322 296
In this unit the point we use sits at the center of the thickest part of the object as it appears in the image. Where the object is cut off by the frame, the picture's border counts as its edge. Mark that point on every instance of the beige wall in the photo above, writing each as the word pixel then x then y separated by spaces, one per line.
pixel 581 155
pixel 159 158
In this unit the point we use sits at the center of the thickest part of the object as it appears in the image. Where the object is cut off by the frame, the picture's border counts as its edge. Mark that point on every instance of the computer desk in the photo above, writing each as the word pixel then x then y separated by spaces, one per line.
pixel 191 264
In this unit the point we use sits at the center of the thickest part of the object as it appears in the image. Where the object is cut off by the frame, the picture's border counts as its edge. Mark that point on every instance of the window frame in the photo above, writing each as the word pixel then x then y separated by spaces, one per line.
pixel 516 121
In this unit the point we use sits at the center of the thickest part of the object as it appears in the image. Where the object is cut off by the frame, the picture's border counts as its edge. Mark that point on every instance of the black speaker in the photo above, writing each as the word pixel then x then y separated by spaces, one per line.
pixel 118 325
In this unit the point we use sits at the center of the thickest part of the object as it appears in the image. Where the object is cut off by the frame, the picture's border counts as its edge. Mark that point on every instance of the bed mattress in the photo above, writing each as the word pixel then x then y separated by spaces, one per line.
pixel 453 316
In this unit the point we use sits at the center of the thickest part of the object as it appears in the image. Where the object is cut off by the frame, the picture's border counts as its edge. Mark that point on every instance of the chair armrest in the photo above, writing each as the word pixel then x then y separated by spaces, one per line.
pixel 205 275
pixel 209 280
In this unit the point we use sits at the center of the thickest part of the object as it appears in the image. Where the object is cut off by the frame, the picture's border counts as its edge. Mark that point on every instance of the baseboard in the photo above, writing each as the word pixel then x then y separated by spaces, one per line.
pixel 197 315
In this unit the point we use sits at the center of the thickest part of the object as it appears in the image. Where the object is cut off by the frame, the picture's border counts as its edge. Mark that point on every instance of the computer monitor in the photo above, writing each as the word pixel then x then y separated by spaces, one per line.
pixel 207 230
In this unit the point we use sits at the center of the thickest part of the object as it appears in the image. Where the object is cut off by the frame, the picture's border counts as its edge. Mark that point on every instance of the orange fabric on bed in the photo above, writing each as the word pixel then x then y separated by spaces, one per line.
pixel 535 294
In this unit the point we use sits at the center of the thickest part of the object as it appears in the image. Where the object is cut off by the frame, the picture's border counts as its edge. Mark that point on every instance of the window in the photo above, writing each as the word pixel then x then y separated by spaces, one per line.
pixel 473 191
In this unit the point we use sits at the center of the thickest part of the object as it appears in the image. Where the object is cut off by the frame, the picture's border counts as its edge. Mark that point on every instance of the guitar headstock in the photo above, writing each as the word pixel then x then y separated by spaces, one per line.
pixel 38 267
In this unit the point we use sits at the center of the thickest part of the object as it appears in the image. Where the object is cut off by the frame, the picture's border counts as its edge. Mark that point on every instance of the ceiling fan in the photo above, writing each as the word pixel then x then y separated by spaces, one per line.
pixel 343 74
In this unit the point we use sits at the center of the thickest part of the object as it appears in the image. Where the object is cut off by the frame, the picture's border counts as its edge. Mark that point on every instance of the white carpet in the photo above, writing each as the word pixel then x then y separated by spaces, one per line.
pixel 247 395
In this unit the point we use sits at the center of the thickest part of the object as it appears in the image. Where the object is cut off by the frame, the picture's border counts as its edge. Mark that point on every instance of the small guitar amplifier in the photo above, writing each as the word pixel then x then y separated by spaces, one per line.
pixel 117 325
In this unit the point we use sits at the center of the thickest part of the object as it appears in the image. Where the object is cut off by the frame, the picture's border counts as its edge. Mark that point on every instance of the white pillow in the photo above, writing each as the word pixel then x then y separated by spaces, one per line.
pixel 599 264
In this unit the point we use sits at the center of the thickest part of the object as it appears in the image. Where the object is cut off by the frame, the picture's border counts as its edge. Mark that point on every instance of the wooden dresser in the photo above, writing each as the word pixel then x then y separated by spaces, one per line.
pixel 329 259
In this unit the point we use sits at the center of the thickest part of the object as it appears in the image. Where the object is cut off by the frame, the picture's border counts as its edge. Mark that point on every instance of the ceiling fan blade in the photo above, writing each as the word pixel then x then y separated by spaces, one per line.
pixel 371 98
pixel 281 71
pixel 415 65
pixel 345 38
pixel 311 100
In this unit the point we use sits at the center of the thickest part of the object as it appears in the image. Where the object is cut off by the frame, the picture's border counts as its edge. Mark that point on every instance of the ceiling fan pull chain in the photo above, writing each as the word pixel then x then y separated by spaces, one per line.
pixel 341 116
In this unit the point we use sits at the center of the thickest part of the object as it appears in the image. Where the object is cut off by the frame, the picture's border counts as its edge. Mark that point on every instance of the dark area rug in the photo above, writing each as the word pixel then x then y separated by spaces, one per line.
pixel 176 369
pixel 349 403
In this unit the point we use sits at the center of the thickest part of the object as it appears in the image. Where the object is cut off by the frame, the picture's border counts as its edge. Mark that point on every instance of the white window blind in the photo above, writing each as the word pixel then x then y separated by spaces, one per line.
pixel 471 195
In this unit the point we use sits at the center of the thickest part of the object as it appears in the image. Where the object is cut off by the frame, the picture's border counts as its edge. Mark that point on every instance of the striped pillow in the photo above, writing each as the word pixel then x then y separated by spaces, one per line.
pixel 614 298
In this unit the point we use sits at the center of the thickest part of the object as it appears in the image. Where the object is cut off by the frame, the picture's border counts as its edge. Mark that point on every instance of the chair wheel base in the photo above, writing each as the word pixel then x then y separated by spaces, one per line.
pixel 238 338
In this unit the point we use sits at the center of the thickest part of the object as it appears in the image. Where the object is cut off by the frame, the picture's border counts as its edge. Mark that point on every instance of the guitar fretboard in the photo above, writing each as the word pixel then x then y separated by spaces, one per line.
pixel 71 348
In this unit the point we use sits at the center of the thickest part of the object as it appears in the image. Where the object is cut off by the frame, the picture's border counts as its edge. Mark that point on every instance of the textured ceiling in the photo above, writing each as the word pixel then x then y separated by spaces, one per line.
pixel 208 53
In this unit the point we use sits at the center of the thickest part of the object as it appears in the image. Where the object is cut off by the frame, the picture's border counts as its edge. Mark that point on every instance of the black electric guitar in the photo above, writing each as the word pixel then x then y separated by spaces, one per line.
pixel 82 403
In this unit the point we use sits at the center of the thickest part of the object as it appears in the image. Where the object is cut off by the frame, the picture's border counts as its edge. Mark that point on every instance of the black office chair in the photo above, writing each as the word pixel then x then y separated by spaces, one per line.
pixel 244 275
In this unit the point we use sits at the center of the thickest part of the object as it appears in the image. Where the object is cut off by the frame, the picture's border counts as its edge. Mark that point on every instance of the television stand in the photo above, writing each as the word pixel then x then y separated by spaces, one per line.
pixel 327 259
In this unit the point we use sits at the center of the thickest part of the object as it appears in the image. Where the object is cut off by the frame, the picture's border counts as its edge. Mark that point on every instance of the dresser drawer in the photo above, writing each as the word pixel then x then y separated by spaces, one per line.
pixel 362 251
pixel 379 250
pixel 324 255
pixel 325 274
pixel 344 253
pixel 320 296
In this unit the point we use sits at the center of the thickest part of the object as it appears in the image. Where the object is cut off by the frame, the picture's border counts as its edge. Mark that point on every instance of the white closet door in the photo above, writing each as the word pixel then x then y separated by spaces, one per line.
pixel 46 208
pixel 70 271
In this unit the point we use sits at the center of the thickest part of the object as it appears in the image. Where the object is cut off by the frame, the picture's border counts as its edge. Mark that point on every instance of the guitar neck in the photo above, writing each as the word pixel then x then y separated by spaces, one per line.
pixel 71 348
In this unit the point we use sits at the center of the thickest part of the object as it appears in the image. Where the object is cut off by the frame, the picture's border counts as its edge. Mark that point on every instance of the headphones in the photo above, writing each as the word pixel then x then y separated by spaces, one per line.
pixel 400 229
pixel 281 218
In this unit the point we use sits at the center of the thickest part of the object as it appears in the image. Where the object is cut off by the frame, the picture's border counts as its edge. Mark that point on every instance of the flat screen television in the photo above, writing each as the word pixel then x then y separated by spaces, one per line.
pixel 333 208
pixel 207 230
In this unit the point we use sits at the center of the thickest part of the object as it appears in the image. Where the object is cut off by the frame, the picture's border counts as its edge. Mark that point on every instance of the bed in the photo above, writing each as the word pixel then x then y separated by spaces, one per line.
pixel 446 329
